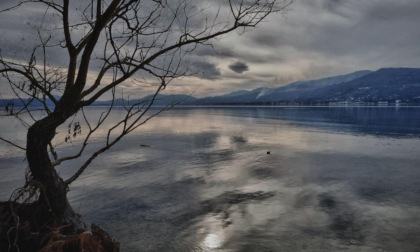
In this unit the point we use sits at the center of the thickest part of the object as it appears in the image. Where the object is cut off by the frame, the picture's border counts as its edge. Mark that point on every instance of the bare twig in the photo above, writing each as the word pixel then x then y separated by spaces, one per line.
pixel 11 143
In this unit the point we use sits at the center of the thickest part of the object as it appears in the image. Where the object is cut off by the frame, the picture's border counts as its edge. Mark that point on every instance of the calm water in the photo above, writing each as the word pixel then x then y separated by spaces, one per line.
pixel 336 179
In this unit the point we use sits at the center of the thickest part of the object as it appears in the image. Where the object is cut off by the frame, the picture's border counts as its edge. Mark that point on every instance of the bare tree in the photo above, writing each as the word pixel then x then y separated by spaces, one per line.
pixel 107 43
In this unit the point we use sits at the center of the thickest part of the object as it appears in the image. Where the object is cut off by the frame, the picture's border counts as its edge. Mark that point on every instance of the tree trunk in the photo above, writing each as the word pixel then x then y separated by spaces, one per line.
pixel 54 189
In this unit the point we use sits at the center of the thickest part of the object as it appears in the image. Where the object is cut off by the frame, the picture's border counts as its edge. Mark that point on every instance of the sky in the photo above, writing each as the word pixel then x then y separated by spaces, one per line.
pixel 311 39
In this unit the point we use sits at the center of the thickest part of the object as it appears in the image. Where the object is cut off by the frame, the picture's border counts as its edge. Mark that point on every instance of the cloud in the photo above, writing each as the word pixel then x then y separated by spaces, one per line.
pixel 313 39
pixel 204 70
pixel 215 51
pixel 322 38
pixel 239 67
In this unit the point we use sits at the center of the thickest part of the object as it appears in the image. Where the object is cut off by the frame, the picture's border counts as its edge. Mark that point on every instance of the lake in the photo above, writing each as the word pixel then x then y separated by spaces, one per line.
pixel 251 179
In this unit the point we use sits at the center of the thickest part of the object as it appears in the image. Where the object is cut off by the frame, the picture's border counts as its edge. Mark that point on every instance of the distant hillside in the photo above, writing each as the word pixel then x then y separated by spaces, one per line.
pixel 387 84
pixel 291 92
pixel 303 90
pixel 160 100
pixel 19 103
pixel 383 85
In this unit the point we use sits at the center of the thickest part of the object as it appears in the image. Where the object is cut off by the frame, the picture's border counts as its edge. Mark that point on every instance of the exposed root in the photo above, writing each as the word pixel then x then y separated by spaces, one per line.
pixel 27 228
pixel 27 224
pixel 97 240
pixel 22 225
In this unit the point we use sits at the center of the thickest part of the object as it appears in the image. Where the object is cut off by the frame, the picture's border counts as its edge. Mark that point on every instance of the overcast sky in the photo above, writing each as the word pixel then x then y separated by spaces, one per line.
pixel 315 39
pixel 312 39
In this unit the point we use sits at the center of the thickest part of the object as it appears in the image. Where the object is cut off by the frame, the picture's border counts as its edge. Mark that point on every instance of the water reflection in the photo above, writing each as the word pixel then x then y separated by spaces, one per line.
pixel 335 179
pixel 213 241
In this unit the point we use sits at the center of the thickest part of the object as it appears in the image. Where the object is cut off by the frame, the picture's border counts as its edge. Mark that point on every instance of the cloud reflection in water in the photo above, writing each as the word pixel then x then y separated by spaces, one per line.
pixel 207 184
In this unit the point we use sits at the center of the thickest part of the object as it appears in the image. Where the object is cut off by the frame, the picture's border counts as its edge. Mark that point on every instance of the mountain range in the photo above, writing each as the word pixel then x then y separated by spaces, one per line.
pixel 383 85
pixel 366 87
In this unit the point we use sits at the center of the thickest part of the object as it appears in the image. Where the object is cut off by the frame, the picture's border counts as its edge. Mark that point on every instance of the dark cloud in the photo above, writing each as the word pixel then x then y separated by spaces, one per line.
pixel 215 51
pixel 333 5
pixel 238 67
pixel 267 39
pixel 204 70
pixel 5 4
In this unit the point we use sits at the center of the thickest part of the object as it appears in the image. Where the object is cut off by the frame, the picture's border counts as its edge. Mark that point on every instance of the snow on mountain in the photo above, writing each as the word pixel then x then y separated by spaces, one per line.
pixel 288 92
pixel 386 84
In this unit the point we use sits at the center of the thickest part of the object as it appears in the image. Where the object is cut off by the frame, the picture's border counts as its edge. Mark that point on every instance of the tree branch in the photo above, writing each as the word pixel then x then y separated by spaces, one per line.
pixel 11 143
pixel 32 80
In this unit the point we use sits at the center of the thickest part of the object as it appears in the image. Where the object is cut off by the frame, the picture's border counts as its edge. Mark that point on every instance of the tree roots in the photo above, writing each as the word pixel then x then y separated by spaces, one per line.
pixel 27 224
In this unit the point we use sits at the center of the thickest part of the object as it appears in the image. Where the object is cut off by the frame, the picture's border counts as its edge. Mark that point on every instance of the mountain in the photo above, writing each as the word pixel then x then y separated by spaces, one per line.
pixel 303 90
pixel 387 84
pixel 20 103
pixel 290 92
pixel 160 100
